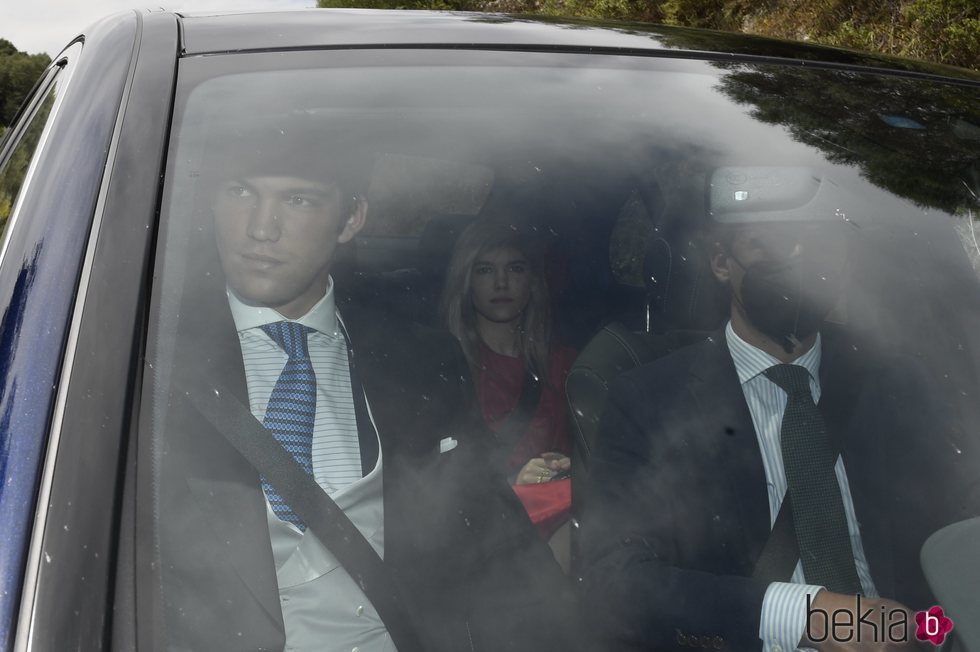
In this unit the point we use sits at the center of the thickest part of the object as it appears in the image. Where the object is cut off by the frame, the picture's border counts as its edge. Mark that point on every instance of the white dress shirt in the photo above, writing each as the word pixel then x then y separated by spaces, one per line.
pixel 336 448
pixel 323 608
pixel 783 618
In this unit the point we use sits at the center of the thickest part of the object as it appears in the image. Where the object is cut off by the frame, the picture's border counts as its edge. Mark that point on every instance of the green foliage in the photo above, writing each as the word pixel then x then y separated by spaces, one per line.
pixel 637 10
pixel 13 172
pixel 708 14
pixel 18 72
pixel 948 32
pixel 845 122
pixel 942 31
pixel 441 5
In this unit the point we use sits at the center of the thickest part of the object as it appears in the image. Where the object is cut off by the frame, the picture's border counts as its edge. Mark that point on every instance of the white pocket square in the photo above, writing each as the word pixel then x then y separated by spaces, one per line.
pixel 447 444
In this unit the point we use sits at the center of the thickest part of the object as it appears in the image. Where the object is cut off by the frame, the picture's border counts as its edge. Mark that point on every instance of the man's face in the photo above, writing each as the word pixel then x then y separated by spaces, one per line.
pixel 822 247
pixel 785 279
pixel 276 238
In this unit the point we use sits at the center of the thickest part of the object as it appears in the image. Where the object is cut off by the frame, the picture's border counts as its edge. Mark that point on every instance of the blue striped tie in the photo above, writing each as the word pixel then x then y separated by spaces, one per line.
pixel 292 407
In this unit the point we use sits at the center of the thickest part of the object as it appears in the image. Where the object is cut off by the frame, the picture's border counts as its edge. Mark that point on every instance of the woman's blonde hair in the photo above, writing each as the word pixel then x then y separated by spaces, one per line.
pixel 457 302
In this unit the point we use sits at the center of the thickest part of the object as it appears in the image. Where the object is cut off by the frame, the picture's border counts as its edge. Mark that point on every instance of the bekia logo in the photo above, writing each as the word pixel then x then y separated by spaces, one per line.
pixel 879 625
pixel 932 625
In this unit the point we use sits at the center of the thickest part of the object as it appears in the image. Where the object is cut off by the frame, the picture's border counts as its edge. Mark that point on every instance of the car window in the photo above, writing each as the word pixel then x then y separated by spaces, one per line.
pixel 480 301
pixel 24 143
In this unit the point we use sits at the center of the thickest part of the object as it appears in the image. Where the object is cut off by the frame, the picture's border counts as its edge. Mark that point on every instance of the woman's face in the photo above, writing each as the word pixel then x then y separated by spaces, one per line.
pixel 500 285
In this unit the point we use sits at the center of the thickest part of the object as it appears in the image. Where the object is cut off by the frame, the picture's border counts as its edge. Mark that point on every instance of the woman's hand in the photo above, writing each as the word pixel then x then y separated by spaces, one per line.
pixel 543 469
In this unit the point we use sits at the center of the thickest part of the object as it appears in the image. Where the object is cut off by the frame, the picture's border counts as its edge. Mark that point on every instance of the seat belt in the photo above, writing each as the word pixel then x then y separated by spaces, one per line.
pixel 781 553
pixel 218 405
pixel 517 422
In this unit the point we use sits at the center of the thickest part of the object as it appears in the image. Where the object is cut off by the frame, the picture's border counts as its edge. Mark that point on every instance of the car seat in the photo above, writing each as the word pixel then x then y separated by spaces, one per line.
pixel 684 304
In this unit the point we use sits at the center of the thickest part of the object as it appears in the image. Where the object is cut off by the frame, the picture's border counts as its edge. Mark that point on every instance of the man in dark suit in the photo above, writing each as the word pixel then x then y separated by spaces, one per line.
pixel 386 426
pixel 688 478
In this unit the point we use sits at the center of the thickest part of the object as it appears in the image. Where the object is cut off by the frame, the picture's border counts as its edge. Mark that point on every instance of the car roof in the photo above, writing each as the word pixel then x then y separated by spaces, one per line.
pixel 210 33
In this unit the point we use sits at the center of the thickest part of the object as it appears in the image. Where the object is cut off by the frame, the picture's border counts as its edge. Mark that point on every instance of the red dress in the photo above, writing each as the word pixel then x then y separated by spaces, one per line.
pixel 499 383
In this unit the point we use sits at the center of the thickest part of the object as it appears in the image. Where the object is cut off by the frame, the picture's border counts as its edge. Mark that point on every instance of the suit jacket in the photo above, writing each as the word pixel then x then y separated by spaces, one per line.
pixel 456 537
pixel 677 512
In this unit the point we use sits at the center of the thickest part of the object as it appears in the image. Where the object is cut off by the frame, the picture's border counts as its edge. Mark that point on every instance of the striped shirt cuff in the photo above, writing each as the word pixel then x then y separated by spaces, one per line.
pixel 783 619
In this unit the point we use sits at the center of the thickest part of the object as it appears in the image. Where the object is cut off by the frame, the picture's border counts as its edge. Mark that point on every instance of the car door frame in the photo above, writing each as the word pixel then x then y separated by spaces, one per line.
pixel 123 94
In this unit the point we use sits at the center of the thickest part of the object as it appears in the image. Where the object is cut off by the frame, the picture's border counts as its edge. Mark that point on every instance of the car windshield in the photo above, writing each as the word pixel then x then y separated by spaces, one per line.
pixel 445 287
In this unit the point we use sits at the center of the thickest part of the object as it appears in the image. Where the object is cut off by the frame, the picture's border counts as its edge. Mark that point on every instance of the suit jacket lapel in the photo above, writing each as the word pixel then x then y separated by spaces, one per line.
pixel 226 486
pixel 714 383
pixel 368 354
pixel 718 392
pixel 394 367
pixel 853 429
pixel 367 435
pixel 218 501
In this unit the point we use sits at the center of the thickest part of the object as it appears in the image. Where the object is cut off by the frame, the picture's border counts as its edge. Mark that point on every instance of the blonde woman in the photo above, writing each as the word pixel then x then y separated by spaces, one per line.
pixel 496 303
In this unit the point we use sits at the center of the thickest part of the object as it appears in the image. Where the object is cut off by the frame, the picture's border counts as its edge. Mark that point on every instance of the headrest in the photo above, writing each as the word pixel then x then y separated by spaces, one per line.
pixel 438 239
pixel 287 145
pixel 682 292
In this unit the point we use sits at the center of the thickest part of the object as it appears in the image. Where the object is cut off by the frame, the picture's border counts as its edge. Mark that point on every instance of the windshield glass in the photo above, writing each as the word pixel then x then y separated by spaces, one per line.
pixel 528 349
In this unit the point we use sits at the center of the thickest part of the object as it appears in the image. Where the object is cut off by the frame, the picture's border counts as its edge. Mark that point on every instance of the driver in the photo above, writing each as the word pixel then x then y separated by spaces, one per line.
pixel 699 452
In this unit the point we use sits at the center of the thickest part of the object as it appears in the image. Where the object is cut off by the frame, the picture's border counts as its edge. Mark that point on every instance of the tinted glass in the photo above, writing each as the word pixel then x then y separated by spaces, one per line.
pixel 14 170
pixel 504 239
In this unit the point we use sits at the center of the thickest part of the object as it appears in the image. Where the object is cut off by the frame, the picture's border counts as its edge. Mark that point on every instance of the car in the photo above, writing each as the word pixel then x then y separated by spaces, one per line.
pixel 613 147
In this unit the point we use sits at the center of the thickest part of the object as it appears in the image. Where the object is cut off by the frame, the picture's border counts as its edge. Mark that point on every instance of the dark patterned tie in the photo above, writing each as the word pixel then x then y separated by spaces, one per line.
pixel 811 484
pixel 292 407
